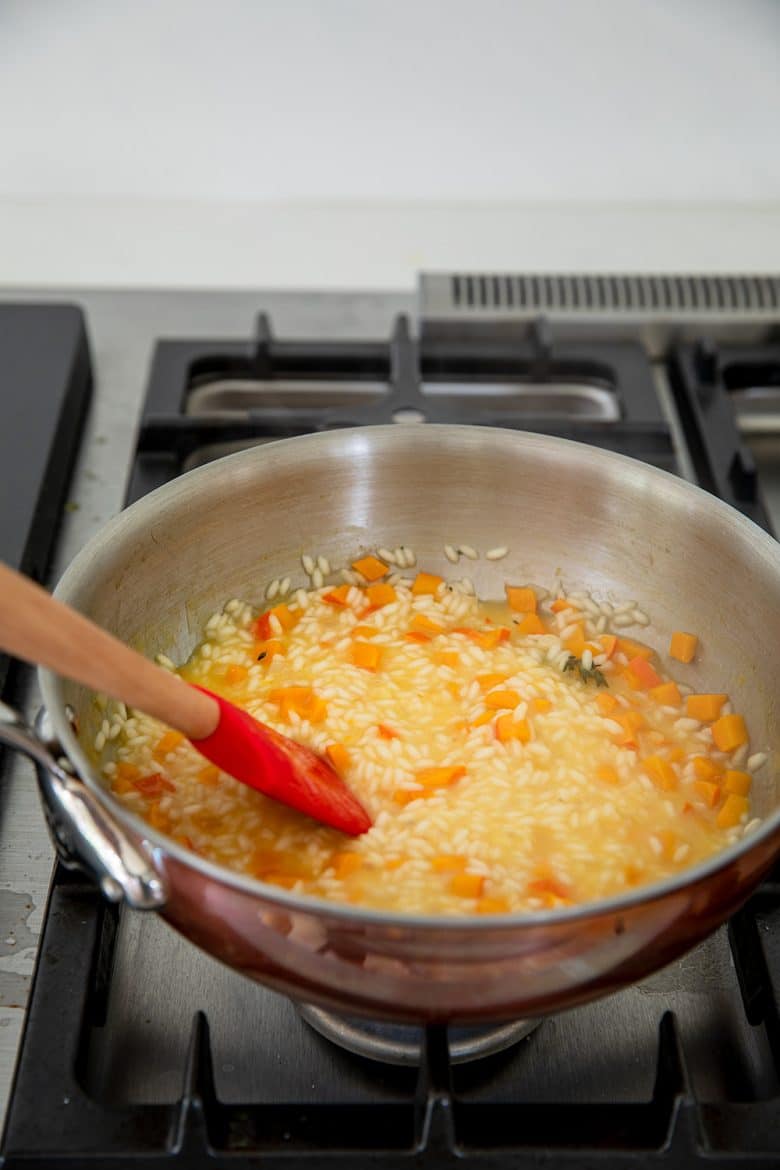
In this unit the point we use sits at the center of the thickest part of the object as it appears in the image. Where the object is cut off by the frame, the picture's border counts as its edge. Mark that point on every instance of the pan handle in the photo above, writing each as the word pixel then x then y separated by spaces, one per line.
pixel 85 834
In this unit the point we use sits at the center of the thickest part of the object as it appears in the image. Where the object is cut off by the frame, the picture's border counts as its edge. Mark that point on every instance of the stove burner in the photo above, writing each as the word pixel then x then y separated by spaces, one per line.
pixel 402 1043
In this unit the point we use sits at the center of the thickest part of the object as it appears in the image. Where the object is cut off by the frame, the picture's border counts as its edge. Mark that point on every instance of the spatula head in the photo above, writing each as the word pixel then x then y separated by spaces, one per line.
pixel 281 768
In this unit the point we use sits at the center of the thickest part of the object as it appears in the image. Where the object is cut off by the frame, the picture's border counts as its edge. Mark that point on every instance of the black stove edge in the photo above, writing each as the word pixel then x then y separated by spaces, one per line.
pixel 60 427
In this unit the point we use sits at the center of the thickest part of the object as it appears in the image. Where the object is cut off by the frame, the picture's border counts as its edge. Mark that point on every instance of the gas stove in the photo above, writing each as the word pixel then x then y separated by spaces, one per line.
pixel 138 1049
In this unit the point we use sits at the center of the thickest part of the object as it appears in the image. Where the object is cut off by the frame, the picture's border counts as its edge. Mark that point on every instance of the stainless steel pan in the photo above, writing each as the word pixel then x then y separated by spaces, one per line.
pixel 156 572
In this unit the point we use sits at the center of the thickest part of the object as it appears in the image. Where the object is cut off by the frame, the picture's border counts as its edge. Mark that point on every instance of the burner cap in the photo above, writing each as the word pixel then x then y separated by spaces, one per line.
pixel 401 1043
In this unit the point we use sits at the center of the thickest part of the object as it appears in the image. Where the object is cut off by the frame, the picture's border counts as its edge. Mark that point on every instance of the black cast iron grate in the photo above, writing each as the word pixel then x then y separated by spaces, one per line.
pixel 54 1122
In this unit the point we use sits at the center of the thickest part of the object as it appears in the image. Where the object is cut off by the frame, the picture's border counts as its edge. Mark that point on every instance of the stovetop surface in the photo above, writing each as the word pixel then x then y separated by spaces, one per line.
pixel 134 1049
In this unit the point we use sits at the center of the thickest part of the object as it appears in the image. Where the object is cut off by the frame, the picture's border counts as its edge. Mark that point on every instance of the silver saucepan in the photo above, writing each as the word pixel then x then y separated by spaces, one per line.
pixel 616 526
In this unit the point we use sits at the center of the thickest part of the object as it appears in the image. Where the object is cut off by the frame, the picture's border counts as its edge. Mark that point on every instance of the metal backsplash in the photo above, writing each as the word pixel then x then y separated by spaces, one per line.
pixel 652 307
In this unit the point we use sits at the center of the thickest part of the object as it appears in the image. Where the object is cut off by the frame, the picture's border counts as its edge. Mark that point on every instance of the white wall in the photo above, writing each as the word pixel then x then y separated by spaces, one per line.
pixel 562 100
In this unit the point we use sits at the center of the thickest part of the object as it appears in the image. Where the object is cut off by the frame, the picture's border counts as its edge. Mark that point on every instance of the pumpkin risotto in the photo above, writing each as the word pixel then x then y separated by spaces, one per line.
pixel 513 756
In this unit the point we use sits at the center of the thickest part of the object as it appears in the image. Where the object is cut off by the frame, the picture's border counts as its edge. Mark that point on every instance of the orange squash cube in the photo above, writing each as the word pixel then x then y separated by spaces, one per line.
pixel 683 646
pixel 426 583
pixel 531 624
pixel 704 707
pixel 337 596
pixel 729 733
pixel 370 567
pixel 666 694
pixel 500 699
pixel 705 768
pixel 339 756
pixel 423 625
pixel 167 743
pixel 493 905
pixel 732 812
pixel 467 885
pixel 660 772
pixel 346 863
pixel 366 656
pixel 737 782
pixel 707 792
pixel 641 675
pixel 379 595
pixel 521 598
pixel 508 728
pixel 440 777
pixel 449 863
pixel 606 703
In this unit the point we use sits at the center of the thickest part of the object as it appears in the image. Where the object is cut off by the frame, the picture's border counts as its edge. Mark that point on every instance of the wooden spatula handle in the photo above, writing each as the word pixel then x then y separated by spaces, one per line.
pixel 40 630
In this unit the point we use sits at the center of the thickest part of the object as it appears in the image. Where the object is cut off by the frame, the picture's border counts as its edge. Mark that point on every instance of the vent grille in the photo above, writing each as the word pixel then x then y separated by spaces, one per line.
pixel 507 293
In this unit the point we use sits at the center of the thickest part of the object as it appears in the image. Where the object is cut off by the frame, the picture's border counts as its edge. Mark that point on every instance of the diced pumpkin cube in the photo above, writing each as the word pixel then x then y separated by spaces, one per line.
pixel 440 777
pixel 366 656
pixel 683 646
pixel 285 616
pixel 127 771
pixel 704 707
pixel 346 863
pixel 483 718
pixel 560 604
pixel 267 651
pixel 531 624
pixel 507 728
pixel 707 792
pixel 547 883
pixel 502 698
pixel 157 818
pixel 122 785
pixel 641 675
pixel 666 694
pixel 705 769
pixel 633 649
pixel 370 567
pixel 339 756
pixel 379 595
pixel 423 625
pixel 167 743
pixel 737 782
pixel 606 703
pixel 407 795
pixel 660 772
pixel 467 885
pixel 609 644
pixel 670 842
pixel 540 705
pixel 449 658
pixel 486 682
pixel 729 733
pixel 153 786
pixel 607 774
pixel 337 596
pixel 302 700
pixel 209 775
pixel 364 631
pixel 734 809
pixel 493 905
pixel 426 583
pixel 236 674
pixel 449 863
pixel 386 732
pixel 521 599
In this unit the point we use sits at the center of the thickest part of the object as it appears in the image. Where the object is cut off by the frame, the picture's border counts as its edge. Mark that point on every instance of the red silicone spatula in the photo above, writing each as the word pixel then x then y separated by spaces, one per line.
pixel 38 629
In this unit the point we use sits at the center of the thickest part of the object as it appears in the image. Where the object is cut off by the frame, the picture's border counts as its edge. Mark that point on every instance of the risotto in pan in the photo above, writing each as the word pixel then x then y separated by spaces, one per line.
pixel 514 756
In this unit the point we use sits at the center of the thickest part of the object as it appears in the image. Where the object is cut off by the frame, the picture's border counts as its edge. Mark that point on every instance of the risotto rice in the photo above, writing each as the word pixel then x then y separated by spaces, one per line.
pixel 513 756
